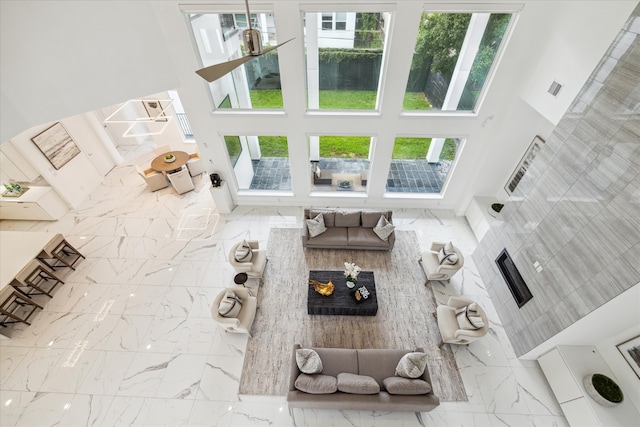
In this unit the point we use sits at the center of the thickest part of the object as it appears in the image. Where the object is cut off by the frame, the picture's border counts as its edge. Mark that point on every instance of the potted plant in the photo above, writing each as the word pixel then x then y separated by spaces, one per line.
pixel 603 389
pixel 495 209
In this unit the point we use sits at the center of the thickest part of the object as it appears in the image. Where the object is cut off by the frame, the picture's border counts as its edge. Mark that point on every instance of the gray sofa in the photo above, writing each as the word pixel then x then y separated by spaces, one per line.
pixel 376 363
pixel 347 229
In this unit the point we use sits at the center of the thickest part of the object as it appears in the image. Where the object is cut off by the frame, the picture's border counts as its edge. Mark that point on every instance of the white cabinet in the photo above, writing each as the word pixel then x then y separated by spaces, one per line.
pixel 565 367
pixel 38 203
pixel 222 198
pixel 478 215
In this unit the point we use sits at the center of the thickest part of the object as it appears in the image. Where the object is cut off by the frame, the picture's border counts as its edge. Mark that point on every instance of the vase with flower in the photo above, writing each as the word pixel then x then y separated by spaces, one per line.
pixel 351 271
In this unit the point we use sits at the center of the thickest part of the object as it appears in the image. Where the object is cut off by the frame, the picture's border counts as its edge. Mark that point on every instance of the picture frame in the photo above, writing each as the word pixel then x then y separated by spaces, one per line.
pixel 524 164
pixel 630 351
pixel 155 110
pixel 56 144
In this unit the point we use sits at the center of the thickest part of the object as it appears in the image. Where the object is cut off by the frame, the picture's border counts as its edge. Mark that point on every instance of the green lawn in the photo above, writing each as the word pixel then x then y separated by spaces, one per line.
pixel 354 147
pixel 339 100
pixel 273 146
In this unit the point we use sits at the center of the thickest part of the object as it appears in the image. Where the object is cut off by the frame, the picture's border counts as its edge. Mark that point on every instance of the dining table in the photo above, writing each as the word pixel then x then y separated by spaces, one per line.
pixel 160 163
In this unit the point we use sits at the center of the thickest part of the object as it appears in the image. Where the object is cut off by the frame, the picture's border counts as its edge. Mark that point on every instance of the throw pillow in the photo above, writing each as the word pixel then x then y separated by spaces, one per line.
pixel 230 305
pixel 467 320
pixel 400 385
pixel 447 255
pixel 357 384
pixel 316 384
pixel 243 252
pixel 316 226
pixel 308 361
pixel 383 228
pixel 412 365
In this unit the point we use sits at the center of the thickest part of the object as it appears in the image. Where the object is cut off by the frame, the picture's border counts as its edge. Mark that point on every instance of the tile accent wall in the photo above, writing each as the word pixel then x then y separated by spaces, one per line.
pixel 577 209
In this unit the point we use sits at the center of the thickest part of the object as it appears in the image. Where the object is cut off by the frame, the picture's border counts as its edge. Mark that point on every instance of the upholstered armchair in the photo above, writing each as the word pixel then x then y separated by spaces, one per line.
pixel 253 264
pixel 461 321
pixel 437 267
pixel 242 321
pixel 155 180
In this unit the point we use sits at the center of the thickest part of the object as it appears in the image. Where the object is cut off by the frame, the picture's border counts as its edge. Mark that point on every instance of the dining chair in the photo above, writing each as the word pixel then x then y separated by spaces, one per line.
pixel 155 180
pixel 15 307
pixel 195 164
pixel 59 253
pixel 161 149
pixel 181 181
pixel 36 279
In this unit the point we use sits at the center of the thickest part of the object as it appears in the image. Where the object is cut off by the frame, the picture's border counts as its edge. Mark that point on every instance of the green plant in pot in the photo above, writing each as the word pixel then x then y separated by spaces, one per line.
pixel 497 207
pixel 603 389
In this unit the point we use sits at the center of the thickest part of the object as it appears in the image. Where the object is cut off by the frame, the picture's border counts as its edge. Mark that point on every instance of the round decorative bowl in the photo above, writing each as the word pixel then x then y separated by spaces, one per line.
pixel 603 389
pixel 170 159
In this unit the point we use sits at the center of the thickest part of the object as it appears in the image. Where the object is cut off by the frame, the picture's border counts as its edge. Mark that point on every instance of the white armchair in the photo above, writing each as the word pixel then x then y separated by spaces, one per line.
pixel 437 270
pixel 195 164
pixel 242 322
pixel 254 267
pixel 181 181
pixel 461 321
pixel 155 180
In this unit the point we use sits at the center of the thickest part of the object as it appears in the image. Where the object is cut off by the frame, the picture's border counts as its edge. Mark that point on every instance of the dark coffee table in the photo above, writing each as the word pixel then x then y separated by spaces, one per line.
pixel 342 301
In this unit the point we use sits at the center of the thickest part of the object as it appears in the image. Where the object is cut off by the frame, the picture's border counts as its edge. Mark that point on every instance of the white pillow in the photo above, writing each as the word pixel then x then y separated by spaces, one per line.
pixel 447 255
pixel 412 365
pixel 316 226
pixel 469 320
pixel 243 252
pixel 308 361
pixel 230 305
pixel 383 228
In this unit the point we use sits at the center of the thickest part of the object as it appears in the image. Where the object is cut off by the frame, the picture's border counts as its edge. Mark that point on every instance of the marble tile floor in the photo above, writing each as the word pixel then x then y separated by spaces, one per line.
pixel 128 340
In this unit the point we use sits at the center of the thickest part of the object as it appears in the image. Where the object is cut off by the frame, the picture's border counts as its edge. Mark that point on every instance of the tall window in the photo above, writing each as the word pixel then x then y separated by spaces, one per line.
pixel 255 84
pixel 344 52
pixel 453 55
pixel 339 163
pixel 260 162
pixel 412 172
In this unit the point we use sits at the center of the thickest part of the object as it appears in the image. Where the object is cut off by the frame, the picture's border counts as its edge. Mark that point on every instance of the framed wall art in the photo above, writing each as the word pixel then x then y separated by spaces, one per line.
pixel 155 110
pixel 524 164
pixel 630 350
pixel 57 145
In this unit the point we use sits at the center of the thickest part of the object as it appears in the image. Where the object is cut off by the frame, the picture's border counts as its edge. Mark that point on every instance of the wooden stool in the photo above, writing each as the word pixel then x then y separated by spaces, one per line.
pixel 35 277
pixel 11 301
pixel 60 253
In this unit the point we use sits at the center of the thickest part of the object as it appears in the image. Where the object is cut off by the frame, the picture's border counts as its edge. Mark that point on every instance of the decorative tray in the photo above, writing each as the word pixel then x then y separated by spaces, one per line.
pixel 8 193
pixel 171 160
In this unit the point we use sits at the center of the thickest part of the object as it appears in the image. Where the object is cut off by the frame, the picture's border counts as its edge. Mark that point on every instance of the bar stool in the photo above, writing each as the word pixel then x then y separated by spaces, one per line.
pixel 12 301
pixel 35 277
pixel 60 251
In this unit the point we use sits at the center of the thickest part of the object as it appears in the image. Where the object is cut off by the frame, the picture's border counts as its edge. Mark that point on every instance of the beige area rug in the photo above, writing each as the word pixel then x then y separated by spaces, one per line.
pixel 404 319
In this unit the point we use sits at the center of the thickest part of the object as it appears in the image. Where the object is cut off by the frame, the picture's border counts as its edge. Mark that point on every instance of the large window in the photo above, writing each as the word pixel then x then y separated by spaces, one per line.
pixel 339 163
pixel 260 162
pixel 344 52
pixel 412 172
pixel 453 55
pixel 255 84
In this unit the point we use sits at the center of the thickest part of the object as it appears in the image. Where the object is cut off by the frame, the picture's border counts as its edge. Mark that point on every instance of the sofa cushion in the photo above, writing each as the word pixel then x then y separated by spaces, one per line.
pixel 412 365
pixel 316 384
pixel 379 363
pixel 369 219
pixel 308 361
pixel 243 252
pixel 357 384
pixel 336 361
pixel 468 319
pixel 360 236
pixel 384 228
pixel 334 236
pixel 347 219
pixel 230 305
pixel 316 225
pixel 328 216
pixel 400 385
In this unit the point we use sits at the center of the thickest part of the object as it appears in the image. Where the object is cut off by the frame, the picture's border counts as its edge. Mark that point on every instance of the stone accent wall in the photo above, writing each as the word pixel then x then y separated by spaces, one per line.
pixel 577 209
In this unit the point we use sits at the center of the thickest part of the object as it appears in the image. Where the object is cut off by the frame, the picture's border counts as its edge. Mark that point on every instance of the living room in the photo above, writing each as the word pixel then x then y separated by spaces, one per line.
pixel 135 228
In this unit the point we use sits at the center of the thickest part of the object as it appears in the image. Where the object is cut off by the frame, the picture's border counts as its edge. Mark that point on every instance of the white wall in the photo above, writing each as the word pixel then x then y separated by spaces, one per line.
pixel 125 50
pixel 79 177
